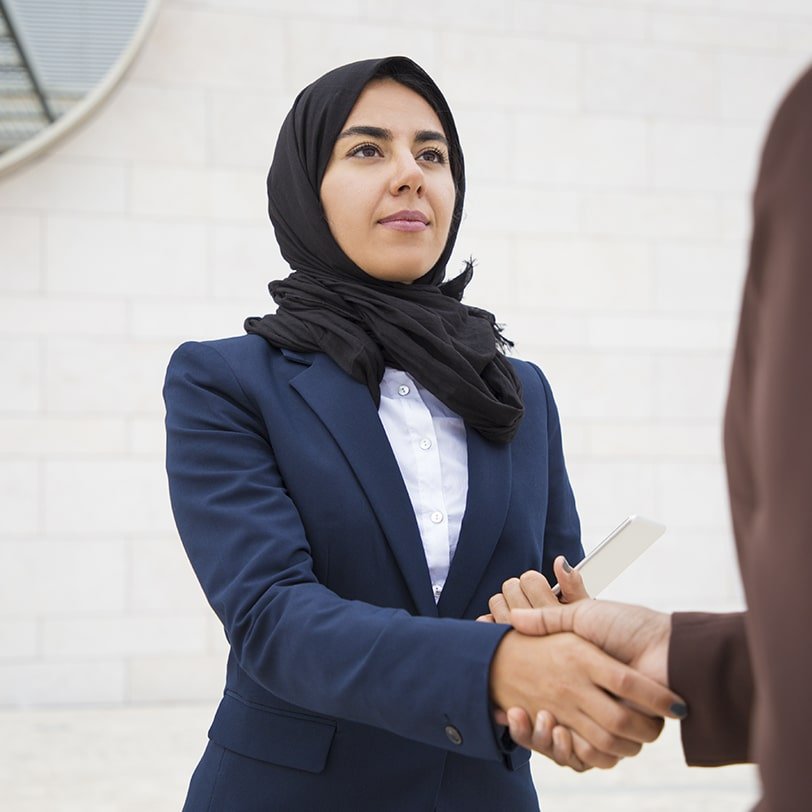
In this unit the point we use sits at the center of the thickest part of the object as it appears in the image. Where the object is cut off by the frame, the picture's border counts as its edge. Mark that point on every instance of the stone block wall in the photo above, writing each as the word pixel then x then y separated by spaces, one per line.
pixel 611 149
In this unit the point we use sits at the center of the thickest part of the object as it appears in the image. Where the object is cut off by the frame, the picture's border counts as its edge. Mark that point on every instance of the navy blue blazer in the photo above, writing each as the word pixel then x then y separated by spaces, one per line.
pixel 348 687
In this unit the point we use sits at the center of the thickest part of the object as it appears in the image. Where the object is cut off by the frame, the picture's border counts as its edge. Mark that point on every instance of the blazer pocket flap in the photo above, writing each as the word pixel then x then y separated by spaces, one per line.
pixel 275 736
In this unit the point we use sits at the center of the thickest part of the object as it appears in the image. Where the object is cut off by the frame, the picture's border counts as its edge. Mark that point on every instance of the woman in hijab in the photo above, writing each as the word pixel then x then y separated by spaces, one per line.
pixel 354 478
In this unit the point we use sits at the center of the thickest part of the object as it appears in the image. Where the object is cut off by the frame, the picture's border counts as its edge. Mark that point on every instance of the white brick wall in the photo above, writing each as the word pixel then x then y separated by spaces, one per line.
pixel 611 150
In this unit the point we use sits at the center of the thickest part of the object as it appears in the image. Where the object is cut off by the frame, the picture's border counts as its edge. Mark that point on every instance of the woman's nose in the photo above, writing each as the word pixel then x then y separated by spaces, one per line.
pixel 407 175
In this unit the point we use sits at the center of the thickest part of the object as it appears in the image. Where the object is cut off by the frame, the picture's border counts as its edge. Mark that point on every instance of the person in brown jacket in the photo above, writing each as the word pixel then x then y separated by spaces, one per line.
pixel 747 677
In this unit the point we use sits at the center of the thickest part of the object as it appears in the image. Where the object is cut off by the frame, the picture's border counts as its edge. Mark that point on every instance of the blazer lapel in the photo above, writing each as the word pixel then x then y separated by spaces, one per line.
pixel 489 483
pixel 347 411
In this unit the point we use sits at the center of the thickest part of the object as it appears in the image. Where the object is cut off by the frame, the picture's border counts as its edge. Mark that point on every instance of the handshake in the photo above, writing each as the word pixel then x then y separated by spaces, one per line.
pixel 583 682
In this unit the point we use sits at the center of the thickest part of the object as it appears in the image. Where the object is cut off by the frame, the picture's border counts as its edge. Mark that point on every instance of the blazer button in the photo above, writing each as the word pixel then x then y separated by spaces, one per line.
pixel 454 736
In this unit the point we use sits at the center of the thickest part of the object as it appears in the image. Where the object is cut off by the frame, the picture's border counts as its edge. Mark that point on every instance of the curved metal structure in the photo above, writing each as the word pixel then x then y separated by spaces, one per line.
pixel 32 119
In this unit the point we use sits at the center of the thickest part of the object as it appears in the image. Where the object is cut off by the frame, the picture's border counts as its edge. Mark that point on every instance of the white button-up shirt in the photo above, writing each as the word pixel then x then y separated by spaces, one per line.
pixel 429 444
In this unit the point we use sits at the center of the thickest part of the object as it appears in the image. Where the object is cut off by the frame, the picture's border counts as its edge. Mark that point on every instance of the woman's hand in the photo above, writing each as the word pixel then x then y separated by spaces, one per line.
pixel 633 634
pixel 532 591
pixel 552 740
pixel 559 743
pixel 610 706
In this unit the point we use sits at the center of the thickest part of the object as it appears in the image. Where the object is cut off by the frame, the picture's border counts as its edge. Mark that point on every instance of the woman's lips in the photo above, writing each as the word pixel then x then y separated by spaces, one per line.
pixel 406 221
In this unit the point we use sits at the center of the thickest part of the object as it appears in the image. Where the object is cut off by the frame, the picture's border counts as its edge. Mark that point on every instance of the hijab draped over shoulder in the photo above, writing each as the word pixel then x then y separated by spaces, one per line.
pixel 328 304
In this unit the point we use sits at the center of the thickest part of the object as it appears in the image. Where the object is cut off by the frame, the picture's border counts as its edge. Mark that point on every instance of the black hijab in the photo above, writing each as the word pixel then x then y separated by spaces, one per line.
pixel 328 304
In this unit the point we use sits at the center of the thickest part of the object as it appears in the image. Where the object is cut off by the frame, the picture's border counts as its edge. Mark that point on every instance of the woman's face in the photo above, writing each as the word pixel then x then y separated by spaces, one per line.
pixel 387 193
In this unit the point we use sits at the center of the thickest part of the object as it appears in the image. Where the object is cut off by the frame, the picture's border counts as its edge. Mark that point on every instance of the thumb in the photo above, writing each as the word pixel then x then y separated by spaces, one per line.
pixel 570 581
pixel 540 622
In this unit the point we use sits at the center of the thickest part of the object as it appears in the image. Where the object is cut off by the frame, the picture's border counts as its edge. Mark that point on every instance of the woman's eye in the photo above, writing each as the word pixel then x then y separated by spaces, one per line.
pixel 433 156
pixel 365 151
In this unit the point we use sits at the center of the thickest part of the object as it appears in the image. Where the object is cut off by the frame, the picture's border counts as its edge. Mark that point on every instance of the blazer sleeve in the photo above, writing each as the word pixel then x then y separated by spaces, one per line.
pixel 709 666
pixel 413 676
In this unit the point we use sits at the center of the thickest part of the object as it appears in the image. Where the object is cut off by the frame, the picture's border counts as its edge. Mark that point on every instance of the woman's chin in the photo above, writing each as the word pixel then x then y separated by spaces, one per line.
pixel 400 266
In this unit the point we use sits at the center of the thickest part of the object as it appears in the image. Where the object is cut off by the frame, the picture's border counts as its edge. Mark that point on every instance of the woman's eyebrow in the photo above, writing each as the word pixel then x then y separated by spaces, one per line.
pixel 371 132
pixel 383 134
pixel 430 135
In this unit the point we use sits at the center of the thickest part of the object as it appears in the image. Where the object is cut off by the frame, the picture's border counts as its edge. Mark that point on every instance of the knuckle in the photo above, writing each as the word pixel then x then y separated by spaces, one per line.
pixel 524 740
pixel 510 584
pixel 606 742
pixel 591 755
pixel 652 729
pixel 623 682
pixel 538 743
pixel 608 762
pixel 622 721
pixel 530 577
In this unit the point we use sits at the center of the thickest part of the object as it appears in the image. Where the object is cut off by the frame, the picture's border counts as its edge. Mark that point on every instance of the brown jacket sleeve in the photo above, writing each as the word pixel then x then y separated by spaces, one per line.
pixel 709 666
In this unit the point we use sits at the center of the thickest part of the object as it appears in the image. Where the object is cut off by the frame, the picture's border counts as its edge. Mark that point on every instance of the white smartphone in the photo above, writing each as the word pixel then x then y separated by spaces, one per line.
pixel 618 550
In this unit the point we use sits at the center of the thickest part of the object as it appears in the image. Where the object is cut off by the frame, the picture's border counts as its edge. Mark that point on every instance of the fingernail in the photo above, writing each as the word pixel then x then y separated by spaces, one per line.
pixel 679 709
pixel 566 566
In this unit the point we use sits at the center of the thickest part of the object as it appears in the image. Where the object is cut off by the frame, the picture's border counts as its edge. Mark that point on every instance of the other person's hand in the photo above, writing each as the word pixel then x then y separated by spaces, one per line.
pixel 546 735
pixel 609 705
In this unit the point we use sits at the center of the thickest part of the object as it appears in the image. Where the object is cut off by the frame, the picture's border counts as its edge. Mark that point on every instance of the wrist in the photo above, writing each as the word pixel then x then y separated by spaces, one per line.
pixel 500 669
pixel 660 642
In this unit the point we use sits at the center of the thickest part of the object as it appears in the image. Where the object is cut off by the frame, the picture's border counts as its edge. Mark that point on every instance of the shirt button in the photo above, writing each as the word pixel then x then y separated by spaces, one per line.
pixel 425 444
pixel 438 590
pixel 403 390
pixel 453 735
pixel 436 517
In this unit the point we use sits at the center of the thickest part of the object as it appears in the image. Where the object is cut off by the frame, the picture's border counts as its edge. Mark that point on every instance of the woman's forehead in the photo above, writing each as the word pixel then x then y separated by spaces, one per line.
pixel 386 101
